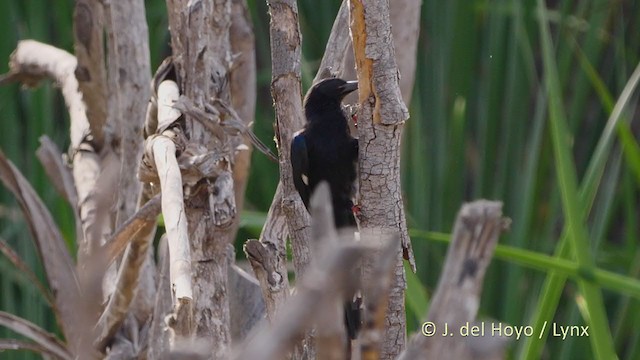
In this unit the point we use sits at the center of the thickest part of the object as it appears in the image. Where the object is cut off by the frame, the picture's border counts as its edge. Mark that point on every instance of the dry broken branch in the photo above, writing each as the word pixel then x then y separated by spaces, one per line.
pixel 286 92
pixel 60 174
pixel 33 61
pixel 457 297
pixel 265 261
pixel 405 28
pixel 126 285
pixel 325 288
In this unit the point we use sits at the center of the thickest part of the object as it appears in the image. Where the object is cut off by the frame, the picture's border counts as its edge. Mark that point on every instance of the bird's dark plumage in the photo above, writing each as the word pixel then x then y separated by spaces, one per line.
pixel 325 151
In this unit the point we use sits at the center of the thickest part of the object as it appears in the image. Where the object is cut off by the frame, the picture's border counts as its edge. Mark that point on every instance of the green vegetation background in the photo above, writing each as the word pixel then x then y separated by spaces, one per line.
pixel 510 103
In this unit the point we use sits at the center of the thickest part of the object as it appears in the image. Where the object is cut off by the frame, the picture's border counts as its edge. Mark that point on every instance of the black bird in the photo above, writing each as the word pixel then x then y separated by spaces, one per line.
pixel 325 151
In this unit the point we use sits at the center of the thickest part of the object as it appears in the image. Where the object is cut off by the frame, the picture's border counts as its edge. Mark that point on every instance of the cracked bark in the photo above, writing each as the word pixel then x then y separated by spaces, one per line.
pixel 286 91
pixel 381 118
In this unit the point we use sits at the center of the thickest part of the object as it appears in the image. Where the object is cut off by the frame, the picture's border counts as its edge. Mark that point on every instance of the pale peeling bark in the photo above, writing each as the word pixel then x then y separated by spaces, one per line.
pixel 32 61
pixel 201 50
pixel 457 297
pixel 381 117
pixel 164 152
pixel 29 63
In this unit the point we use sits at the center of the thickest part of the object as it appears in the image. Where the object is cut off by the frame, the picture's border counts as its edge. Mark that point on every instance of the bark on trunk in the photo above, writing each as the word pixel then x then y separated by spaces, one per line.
pixel 201 50
pixel 381 117
pixel 286 91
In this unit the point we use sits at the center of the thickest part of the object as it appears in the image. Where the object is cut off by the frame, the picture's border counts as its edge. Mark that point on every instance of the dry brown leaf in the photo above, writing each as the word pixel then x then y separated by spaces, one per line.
pixel 57 262
pixel 44 339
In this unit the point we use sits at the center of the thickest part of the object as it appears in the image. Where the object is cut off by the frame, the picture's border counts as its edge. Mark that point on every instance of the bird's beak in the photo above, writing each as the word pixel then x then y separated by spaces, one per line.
pixel 349 87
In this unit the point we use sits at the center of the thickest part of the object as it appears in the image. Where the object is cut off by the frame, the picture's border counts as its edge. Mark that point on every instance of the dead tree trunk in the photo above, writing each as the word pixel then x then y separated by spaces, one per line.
pixel 201 53
pixel 381 119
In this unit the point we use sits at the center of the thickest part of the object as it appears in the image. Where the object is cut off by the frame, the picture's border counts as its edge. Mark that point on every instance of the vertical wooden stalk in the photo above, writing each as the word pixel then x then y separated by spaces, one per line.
pixel 380 121
pixel 286 91
pixel 201 50
pixel 287 99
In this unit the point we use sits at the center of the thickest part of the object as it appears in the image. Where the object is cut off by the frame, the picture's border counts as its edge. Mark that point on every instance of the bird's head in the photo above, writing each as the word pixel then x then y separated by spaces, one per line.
pixel 327 94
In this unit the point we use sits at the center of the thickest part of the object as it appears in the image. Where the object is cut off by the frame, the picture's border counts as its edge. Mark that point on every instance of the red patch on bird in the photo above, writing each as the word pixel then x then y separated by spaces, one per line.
pixel 357 210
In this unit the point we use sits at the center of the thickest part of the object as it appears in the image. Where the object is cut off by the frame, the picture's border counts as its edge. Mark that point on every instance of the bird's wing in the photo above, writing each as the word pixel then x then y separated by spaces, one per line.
pixel 300 165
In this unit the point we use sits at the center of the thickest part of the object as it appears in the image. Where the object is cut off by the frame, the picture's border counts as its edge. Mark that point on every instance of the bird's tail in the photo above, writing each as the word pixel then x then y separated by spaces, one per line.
pixel 353 317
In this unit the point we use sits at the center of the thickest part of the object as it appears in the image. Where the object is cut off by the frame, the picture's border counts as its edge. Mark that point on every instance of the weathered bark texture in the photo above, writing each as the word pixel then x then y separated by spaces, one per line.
pixel 88 30
pixel 286 91
pixel 381 118
pixel 202 55
pixel 133 289
pixel 271 273
pixel 133 75
pixel 376 299
pixel 246 305
pixel 457 297
pixel 268 256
